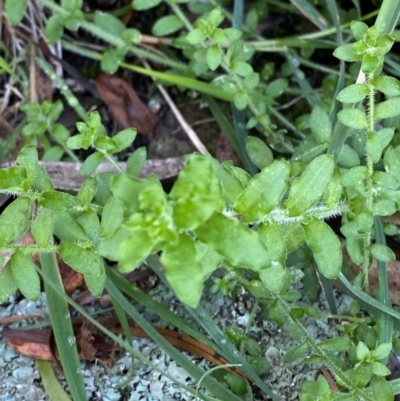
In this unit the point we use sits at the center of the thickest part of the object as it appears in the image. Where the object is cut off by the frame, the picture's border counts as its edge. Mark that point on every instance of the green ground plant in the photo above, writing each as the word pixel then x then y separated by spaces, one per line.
pixel 346 162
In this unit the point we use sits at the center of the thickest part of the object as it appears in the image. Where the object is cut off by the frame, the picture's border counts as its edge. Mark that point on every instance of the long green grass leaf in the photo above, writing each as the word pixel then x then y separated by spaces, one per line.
pixel 310 12
pixel 52 386
pixel 209 325
pixel 385 321
pixel 62 327
pixel 121 342
pixel 209 383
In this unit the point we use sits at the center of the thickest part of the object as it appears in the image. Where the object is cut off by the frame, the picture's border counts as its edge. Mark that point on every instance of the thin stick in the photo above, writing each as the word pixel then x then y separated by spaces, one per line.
pixel 185 126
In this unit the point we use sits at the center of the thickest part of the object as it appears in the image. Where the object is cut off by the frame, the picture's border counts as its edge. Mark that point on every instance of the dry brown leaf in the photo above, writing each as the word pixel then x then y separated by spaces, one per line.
pixel 33 342
pixel 38 343
pixel 125 105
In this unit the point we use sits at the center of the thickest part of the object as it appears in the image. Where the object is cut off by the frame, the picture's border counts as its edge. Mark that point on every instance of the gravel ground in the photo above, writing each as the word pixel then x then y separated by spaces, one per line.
pixel 20 380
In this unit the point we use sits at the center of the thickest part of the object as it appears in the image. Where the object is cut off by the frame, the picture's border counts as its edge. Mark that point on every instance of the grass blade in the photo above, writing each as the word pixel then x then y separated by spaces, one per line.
pixel 310 12
pixel 209 383
pixel 62 327
pixel 209 325
pixel 123 343
pixel 385 321
pixel 52 386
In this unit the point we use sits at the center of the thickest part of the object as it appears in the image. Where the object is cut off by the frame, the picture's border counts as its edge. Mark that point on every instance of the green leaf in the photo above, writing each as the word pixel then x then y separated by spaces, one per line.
pixel 296 353
pixel 371 64
pixel 111 60
pixel 353 93
pixel 210 260
pixel 109 247
pixel 252 347
pixel 358 29
pixel 91 163
pixel 260 154
pixel 353 118
pixel 28 159
pixel 362 375
pixel 124 139
pixel 8 284
pixel 363 352
pixel 260 365
pixel 88 190
pixel 355 177
pixel 67 228
pixel 108 23
pixel 308 189
pixel 105 144
pixel 251 81
pixel 336 344
pixel 219 36
pixel 214 57
pixel 294 237
pixel 240 99
pixel 25 275
pixel 15 220
pixel 382 351
pixel 233 240
pixel 374 147
pixel 89 220
pixel 264 192
pixel 12 177
pixel 182 261
pixel 128 189
pixel 391 161
pixel 53 154
pixel 60 133
pixel 385 135
pixel 381 389
pixel 135 250
pixel 333 191
pixel 348 157
pixel 81 260
pixel 232 179
pixel 196 36
pixel 145 4
pixel 345 52
pixel 96 283
pixel 167 25
pixel 382 252
pixel 277 87
pixel 59 201
pixel 136 161
pixel 215 16
pixel 325 246
pixel 74 20
pixel 112 216
pixel 272 238
pixel 388 108
pixel 197 193
pixel 233 34
pixel 15 10
pixel 242 68
pixel 237 384
pixel 276 278
pixel 320 124
pixel 42 227
pixel 388 85
pixel 385 207
pixel 54 28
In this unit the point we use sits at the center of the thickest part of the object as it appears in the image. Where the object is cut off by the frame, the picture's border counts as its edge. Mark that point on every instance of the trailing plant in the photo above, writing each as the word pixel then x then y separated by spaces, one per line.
pixel 254 227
